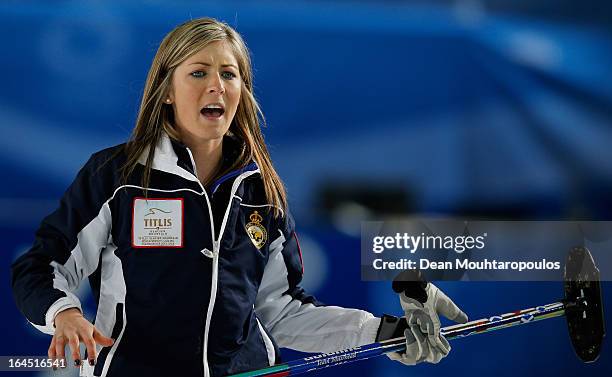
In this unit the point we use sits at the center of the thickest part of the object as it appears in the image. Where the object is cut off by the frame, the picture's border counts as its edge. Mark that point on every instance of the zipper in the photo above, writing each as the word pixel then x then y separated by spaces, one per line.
pixel 210 214
pixel 215 254
pixel 211 304
pixel 215 258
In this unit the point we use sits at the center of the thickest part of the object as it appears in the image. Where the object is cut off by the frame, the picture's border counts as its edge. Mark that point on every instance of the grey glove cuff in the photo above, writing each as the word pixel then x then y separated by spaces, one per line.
pixel 391 327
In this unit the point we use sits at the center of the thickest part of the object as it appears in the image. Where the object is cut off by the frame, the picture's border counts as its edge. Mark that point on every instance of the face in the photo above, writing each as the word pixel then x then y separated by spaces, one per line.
pixel 205 93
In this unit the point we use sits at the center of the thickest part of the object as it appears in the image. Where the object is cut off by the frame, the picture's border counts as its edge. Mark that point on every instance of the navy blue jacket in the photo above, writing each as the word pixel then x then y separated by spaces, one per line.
pixel 187 281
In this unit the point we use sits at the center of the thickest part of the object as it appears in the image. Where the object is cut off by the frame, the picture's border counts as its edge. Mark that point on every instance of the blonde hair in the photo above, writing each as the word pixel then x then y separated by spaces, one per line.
pixel 154 117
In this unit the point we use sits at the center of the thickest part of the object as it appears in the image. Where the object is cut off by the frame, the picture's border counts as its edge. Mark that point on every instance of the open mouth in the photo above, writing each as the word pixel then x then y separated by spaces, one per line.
pixel 212 111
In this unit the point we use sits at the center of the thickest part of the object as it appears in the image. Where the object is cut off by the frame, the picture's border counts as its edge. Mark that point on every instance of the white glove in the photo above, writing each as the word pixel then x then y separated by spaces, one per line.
pixel 423 339
pixel 417 348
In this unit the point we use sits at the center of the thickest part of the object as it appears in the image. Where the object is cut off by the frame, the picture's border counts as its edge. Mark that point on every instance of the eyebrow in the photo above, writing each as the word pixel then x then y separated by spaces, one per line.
pixel 208 64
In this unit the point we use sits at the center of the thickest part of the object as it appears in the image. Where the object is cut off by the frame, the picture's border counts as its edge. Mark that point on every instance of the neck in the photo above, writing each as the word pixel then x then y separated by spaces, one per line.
pixel 207 156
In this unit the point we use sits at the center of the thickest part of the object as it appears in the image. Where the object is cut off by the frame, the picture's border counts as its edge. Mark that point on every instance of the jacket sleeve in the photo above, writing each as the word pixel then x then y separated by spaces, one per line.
pixel 66 249
pixel 297 320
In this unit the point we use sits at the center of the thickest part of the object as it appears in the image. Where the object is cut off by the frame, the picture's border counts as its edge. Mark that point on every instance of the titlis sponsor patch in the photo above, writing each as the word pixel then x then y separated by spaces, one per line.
pixel 157 223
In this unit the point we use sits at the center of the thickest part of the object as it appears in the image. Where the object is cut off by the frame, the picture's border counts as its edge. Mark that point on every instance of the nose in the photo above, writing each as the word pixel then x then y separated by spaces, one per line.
pixel 216 84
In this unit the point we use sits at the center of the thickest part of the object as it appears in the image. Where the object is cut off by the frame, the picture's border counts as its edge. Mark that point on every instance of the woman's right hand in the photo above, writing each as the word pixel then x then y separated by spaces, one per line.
pixel 71 328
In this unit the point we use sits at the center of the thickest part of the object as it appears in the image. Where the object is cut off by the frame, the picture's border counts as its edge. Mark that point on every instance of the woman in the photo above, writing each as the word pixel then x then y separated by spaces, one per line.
pixel 186 239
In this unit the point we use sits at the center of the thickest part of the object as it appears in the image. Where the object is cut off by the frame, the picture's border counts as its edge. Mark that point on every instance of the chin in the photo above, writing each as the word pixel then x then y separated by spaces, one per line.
pixel 209 133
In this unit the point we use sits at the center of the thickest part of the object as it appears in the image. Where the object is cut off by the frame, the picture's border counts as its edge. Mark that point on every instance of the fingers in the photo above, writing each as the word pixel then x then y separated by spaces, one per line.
pixel 401 357
pixel 410 338
pixel 424 327
pixel 425 324
pixel 449 309
pixel 435 357
pixel 436 341
pixel 419 348
pixel 412 353
pixel 72 330
pixel 51 351
pixel 73 342
pixel 60 345
pixel 430 327
pixel 395 356
pixel 422 346
pixel 90 345
pixel 57 349
pixel 443 345
pixel 432 353
pixel 409 356
pixel 101 339
pixel 432 346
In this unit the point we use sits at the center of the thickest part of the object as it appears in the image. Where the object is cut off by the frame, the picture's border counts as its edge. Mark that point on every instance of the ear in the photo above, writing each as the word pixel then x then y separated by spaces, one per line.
pixel 169 98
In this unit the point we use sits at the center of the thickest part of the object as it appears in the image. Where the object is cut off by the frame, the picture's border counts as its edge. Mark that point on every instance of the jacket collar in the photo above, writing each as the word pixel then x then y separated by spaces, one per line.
pixel 166 159
pixel 173 157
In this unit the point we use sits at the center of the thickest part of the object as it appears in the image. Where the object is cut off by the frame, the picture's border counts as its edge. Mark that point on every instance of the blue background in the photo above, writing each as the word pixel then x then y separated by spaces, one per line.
pixel 484 109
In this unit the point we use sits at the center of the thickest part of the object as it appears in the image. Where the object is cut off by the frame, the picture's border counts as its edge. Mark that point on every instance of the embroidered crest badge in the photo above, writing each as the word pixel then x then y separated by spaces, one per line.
pixel 257 233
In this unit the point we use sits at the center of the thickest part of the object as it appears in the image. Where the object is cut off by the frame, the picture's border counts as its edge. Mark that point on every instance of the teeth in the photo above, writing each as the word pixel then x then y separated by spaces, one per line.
pixel 213 106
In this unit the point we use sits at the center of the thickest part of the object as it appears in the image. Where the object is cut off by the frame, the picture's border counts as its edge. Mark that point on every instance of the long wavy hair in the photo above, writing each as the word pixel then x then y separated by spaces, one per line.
pixel 154 117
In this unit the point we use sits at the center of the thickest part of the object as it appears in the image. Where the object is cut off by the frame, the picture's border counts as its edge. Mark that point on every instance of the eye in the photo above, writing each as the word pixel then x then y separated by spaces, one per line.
pixel 198 74
pixel 228 75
